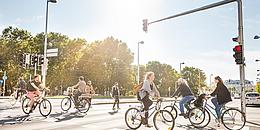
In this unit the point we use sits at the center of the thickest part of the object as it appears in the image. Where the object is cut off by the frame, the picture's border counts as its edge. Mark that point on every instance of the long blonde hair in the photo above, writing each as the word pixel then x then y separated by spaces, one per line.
pixel 148 75
pixel 182 81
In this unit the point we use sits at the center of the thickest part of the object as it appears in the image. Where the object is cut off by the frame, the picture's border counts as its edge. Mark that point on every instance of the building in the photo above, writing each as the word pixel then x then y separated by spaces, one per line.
pixel 235 87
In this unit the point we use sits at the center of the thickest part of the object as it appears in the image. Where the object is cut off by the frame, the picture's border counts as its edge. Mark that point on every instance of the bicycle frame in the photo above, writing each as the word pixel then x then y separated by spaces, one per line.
pixel 210 108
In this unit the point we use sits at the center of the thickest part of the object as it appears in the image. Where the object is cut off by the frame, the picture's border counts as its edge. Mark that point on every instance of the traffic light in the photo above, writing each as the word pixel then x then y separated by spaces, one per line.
pixel 21 60
pixel 35 59
pixel 145 25
pixel 41 60
pixel 238 54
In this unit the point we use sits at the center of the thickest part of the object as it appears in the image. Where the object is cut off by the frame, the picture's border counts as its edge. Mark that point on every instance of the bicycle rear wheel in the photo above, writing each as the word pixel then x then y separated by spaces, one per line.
pixel 45 107
pixel 233 119
pixel 65 104
pixel 199 117
pixel 133 118
pixel 171 109
pixel 84 106
pixel 25 105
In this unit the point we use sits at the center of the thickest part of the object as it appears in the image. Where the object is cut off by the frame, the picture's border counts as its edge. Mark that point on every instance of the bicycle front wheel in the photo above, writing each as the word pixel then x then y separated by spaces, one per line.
pixel 133 118
pixel 163 120
pixel 199 117
pixel 65 104
pixel 84 106
pixel 233 119
pixel 45 107
pixel 171 109
pixel 25 105
pixel 12 99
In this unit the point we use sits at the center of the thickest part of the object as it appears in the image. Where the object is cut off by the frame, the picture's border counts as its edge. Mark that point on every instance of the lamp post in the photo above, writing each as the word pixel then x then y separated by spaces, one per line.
pixel 138 66
pixel 182 63
pixel 45 43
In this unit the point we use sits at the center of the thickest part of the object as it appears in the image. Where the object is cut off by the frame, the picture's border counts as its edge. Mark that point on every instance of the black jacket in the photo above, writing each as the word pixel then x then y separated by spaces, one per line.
pixel 223 95
pixel 183 91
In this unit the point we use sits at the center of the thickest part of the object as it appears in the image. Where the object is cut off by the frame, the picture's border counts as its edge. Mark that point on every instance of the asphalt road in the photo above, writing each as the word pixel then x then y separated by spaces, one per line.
pixel 99 117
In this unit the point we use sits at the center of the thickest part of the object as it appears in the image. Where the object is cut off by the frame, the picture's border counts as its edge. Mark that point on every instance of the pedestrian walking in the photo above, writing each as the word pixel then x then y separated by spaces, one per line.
pixel 115 94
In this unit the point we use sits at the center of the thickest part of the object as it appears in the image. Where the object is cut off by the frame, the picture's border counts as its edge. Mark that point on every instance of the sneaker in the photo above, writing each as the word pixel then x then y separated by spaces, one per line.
pixel 182 114
pixel 118 108
pixel 31 111
pixel 148 125
pixel 113 108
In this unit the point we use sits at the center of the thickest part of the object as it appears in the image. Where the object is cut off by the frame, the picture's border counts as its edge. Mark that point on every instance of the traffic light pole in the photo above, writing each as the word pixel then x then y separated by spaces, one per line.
pixel 240 33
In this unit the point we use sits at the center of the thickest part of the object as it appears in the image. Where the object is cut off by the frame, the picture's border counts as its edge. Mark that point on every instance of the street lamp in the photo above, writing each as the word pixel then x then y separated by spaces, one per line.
pixel 257 70
pixel 257 60
pixel 138 67
pixel 182 63
pixel 256 37
pixel 45 44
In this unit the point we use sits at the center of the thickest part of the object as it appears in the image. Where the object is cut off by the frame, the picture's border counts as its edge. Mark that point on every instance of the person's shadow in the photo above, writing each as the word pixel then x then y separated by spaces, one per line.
pixel 15 120
pixel 64 116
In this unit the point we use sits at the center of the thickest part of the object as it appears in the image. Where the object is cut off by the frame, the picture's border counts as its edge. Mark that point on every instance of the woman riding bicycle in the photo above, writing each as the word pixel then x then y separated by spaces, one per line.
pixel 222 95
pixel 148 89
pixel 184 91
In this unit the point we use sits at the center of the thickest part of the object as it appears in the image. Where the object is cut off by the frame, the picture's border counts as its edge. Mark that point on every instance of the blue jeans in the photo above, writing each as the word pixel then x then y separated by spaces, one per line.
pixel 217 106
pixel 183 101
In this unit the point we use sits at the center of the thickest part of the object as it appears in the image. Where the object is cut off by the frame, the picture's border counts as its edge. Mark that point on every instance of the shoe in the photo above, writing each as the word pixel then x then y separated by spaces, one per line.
pixel 218 124
pixel 30 111
pixel 182 114
pixel 148 125
pixel 113 108
pixel 118 108
pixel 143 120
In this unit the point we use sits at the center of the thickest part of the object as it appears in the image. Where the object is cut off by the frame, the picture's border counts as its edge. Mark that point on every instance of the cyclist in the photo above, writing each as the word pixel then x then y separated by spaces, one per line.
pixel 148 89
pixel 222 95
pixel 115 94
pixel 80 89
pixel 184 91
pixel 34 90
pixel 21 86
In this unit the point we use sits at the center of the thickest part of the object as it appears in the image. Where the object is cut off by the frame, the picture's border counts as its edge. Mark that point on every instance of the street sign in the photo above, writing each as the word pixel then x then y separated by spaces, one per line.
pixel 54 50
pixel 5 77
pixel 52 54
pixel 1 81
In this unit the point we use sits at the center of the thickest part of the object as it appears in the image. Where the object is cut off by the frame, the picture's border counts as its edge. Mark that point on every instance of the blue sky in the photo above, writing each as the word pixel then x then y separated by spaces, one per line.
pixel 201 40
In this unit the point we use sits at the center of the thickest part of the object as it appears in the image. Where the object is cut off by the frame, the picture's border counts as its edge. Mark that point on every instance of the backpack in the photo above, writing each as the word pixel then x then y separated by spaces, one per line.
pixel 136 90
pixel 199 101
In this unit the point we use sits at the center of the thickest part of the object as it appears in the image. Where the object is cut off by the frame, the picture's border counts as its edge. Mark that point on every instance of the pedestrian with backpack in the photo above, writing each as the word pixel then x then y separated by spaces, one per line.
pixel 148 90
pixel 115 94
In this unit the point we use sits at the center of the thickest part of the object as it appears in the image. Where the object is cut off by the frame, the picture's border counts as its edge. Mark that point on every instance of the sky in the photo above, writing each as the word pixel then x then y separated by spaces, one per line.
pixel 202 40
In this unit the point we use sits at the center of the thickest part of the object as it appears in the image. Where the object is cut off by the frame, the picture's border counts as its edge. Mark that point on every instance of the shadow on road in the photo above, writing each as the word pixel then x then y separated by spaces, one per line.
pixel 15 120
pixel 67 116
pixel 190 127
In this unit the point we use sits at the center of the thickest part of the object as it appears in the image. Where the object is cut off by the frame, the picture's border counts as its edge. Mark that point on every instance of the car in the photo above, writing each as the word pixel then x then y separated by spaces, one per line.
pixel 252 98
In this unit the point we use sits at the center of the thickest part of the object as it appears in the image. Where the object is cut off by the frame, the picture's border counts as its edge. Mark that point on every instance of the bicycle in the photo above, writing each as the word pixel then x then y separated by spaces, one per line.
pixel 228 116
pixel 133 117
pixel 13 99
pixel 84 103
pixel 173 108
pixel 45 106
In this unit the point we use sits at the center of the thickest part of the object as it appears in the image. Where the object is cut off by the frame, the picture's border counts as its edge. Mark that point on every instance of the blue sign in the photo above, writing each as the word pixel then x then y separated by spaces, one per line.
pixel 1 81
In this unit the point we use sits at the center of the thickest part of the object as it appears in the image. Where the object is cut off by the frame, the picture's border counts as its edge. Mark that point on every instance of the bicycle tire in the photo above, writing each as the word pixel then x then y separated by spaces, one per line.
pixel 169 122
pixel 25 105
pixel 44 104
pixel 201 114
pixel 224 118
pixel 171 109
pixel 65 102
pixel 133 118
pixel 12 99
pixel 84 106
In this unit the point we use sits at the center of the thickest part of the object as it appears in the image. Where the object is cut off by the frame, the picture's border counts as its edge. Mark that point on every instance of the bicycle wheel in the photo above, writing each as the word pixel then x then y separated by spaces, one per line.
pixel 12 99
pixel 65 104
pixel 233 119
pixel 84 105
pixel 171 109
pixel 25 105
pixel 163 120
pixel 45 107
pixel 199 117
pixel 133 118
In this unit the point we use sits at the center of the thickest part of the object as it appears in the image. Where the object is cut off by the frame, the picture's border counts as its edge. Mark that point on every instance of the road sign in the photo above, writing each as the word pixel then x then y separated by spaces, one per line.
pixel 54 50
pixel 1 81
pixel 52 54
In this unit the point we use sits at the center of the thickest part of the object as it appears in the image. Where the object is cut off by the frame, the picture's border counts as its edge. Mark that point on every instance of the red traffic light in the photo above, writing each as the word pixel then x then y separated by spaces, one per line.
pixel 238 48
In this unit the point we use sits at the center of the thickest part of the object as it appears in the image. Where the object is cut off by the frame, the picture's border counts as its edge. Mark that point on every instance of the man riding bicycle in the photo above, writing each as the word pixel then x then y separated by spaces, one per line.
pixel 184 91
pixel 21 87
pixel 80 87
pixel 34 90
